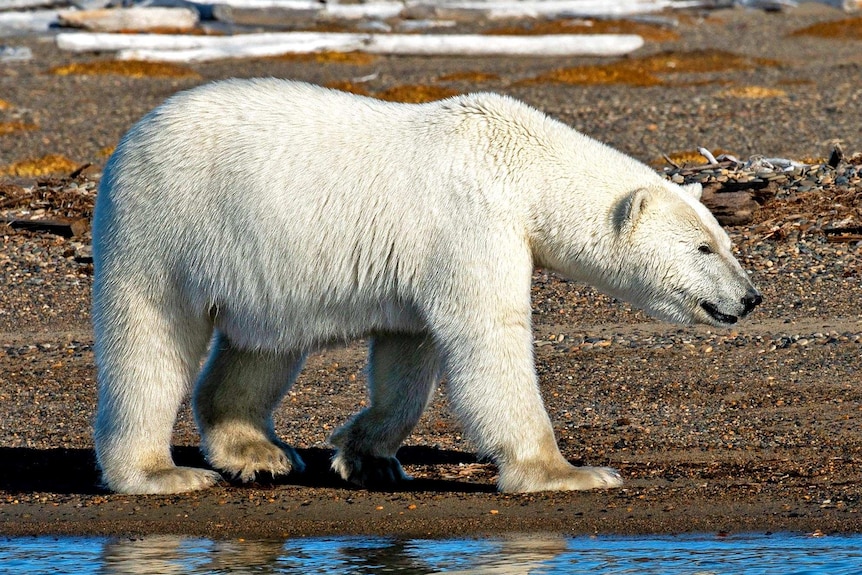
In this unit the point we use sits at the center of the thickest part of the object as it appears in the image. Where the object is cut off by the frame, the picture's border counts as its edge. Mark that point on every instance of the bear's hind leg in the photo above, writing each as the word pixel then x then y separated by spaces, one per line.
pixel 146 363
pixel 234 399
pixel 403 372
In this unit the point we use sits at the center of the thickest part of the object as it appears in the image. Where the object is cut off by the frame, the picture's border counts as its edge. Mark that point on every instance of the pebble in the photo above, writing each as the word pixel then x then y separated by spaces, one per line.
pixel 15 54
pixel 706 344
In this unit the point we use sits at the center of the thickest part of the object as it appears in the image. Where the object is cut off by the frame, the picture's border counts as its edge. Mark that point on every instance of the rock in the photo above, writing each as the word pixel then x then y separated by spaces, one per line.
pixel 15 54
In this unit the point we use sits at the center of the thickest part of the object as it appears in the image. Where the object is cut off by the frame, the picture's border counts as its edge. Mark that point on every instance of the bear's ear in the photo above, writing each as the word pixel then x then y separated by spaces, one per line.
pixel 695 189
pixel 629 209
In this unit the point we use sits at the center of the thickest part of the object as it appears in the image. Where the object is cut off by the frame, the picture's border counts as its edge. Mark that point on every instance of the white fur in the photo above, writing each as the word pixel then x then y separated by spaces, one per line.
pixel 283 217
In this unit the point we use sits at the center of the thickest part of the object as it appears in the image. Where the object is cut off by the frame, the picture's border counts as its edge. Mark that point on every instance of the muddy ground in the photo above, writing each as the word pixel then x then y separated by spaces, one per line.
pixel 750 429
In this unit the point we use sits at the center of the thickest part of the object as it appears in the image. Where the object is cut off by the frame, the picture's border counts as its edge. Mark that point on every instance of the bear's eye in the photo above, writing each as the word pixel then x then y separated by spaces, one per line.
pixel 705 249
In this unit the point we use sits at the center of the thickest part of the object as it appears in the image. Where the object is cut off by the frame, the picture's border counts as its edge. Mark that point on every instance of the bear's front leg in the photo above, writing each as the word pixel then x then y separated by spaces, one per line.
pixel 494 387
pixel 403 371
pixel 234 399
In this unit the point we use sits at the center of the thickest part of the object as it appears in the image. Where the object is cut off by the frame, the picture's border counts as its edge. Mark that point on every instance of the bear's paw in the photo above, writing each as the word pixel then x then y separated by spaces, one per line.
pixel 163 481
pixel 254 460
pixel 524 478
pixel 370 471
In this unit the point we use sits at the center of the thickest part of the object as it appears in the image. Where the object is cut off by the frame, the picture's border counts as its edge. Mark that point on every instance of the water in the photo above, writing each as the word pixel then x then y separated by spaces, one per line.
pixel 783 554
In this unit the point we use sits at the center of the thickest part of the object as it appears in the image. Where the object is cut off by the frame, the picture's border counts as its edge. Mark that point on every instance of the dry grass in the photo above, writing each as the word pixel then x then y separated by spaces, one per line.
pixel 845 29
pixel 348 86
pixel 795 82
pixel 613 73
pixel 416 93
pixel 131 68
pixel 649 70
pixel 753 92
pixel 16 126
pixel 349 58
pixel 409 93
pixel 469 76
pixel 44 166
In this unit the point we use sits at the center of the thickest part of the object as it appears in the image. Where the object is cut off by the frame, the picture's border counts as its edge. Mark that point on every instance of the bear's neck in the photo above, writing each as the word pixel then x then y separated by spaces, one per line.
pixel 573 230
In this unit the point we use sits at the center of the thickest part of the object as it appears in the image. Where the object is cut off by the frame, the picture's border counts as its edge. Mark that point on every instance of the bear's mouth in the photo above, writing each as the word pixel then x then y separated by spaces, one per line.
pixel 717 315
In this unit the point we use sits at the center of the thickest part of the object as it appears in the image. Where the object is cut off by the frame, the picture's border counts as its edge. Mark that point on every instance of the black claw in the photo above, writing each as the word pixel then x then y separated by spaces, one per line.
pixel 379 474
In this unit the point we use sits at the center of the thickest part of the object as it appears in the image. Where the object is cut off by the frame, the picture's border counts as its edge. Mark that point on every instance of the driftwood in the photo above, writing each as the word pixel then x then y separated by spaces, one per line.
pixel 487 45
pixel 732 203
pixel 58 228
pixel 96 42
pixel 407 44
pixel 845 238
pixel 730 208
pixel 130 19
pixel 32 21
pixel 846 5
pixel 485 8
pixel 9 5
pixel 557 8
pixel 843 234
pixel 182 48
pixel 460 9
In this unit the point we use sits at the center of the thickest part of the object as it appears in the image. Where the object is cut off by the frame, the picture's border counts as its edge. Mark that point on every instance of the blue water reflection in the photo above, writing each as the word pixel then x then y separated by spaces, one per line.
pixel 784 554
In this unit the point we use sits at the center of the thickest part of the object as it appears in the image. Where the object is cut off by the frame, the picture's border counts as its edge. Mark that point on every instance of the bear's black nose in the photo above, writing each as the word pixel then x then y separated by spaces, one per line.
pixel 751 299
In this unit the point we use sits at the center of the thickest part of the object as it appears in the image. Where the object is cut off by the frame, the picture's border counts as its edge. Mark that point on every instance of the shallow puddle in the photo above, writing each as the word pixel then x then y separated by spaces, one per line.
pixel 666 555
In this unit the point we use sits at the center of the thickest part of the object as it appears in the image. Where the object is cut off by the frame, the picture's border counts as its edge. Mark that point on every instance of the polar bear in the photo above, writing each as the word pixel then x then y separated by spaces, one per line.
pixel 263 219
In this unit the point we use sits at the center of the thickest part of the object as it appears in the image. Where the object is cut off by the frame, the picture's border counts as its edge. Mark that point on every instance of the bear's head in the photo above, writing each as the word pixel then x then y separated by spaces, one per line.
pixel 674 260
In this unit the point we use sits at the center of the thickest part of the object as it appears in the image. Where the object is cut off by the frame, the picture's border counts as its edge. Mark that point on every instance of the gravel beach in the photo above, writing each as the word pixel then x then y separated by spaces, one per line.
pixel 754 428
